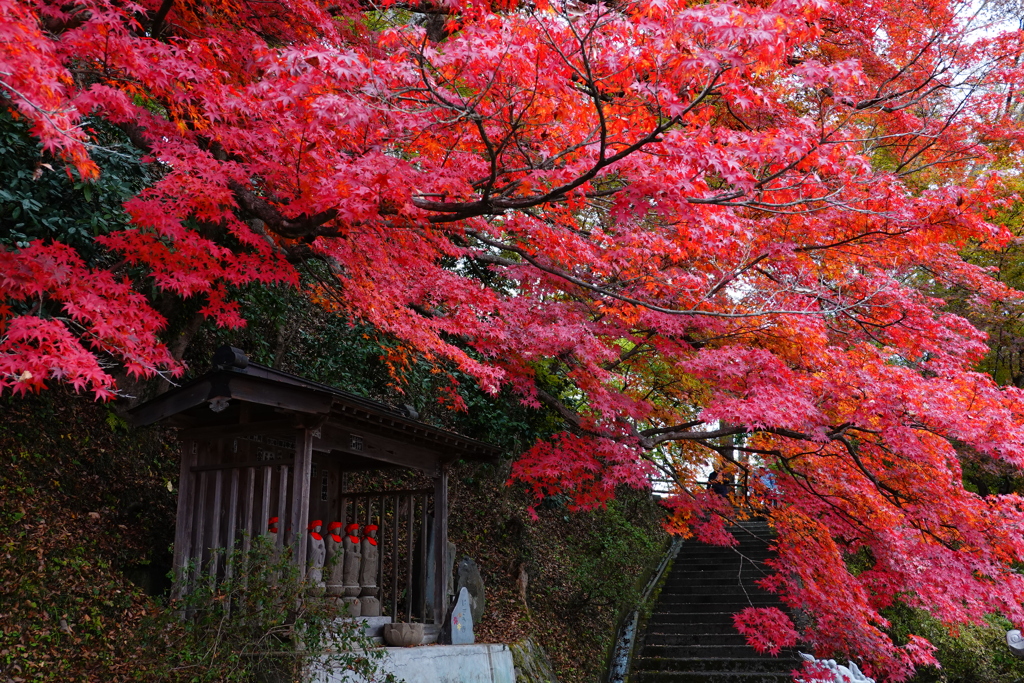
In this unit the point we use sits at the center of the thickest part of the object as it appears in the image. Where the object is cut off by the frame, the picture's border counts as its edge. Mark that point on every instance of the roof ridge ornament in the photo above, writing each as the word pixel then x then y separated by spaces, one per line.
pixel 227 357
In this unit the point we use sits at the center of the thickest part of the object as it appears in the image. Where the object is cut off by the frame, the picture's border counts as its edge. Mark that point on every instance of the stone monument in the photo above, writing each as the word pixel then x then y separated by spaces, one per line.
pixel 457 628
pixel 1015 640
pixel 368 572
pixel 316 553
pixel 335 561
pixel 470 579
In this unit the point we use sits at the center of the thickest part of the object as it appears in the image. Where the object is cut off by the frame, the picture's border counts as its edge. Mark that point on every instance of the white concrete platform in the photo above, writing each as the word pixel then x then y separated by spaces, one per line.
pixel 475 663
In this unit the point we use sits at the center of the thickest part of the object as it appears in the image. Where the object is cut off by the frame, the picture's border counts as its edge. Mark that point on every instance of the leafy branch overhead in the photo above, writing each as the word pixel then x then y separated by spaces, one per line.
pixel 693 230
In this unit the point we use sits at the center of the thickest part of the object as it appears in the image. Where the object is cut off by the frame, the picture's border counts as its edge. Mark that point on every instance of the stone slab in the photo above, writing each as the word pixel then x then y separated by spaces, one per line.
pixel 373 626
pixel 478 663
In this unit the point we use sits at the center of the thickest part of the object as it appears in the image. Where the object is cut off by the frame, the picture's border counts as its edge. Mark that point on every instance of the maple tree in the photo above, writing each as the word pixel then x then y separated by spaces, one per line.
pixel 717 227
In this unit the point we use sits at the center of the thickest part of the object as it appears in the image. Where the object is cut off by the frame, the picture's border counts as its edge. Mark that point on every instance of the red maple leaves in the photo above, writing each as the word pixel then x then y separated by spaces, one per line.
pixel 101 320
pixel 692 230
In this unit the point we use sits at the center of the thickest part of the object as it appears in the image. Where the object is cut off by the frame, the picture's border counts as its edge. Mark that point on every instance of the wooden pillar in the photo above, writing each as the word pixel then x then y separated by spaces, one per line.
pixel 183 518
pixel 229 537
pixel 300 495
pixel 440 543
pixel 215 519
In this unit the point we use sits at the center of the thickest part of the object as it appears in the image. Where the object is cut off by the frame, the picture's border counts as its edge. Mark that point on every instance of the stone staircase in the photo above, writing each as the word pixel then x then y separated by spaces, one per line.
pixel 690 638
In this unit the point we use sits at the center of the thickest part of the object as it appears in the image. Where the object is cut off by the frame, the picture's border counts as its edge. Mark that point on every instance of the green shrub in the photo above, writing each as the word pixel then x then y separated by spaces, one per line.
pixel 599 557
pixel 259 623
pixel 971 654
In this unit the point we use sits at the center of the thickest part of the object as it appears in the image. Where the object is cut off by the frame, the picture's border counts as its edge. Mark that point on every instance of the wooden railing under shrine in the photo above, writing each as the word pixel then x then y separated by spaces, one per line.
pixel 226 500
pixel 405 518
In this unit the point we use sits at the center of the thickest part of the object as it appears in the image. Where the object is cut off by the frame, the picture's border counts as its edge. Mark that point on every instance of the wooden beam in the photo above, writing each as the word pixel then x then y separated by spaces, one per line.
pixel 451 445
pixel 232 430
pixel 440 543
pixel 215 518
pixel 199 549
pixel 423 560
pixel 390 492
pixel 375 447
pixel 171 403
pixel 229 539
pixel 250 496
pixel 283 523
pixel 263 525
pixel 236 465
pixel 268 393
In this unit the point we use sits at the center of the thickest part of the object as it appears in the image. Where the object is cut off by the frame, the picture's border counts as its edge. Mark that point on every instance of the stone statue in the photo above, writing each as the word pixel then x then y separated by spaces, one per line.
pixel 335 560
pixel 841 674
pixel 368 572
pixel 316 553
pixel 1015 640
pixel 353 561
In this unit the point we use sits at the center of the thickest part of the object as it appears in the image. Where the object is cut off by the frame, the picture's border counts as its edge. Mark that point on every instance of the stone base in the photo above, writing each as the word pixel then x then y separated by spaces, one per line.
pixel 403 635
pixel 351 607
pixel 370 606
pixel 437 664
pixel 373 627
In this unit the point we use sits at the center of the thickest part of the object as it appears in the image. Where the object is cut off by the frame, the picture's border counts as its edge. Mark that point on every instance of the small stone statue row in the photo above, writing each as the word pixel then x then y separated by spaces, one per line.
pixel 351 563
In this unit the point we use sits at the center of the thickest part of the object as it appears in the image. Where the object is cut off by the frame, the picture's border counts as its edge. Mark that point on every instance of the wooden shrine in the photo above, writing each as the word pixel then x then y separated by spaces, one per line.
pixel 258 443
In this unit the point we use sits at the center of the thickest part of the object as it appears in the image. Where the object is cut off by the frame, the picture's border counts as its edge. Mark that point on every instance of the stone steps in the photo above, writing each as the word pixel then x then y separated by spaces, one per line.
pixel 727 660
pixel 702 638
pixel 711 677
pixel 690 637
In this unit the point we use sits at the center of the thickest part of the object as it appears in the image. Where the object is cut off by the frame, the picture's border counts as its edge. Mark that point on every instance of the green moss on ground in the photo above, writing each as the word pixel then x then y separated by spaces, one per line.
pixel 969 654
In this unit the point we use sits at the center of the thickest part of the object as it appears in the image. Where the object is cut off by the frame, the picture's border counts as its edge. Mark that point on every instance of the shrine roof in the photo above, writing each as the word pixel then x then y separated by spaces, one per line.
pixel 238 395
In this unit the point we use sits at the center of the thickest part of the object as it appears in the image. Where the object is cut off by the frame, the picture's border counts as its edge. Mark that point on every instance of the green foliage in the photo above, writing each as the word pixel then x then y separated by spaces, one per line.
pixel 598 559
pixel 41 198
pixel 258 623
pixel 289 331
pixel 972 654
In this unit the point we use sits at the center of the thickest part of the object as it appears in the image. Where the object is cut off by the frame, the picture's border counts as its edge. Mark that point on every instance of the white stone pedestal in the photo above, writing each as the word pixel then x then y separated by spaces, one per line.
pixel 475 663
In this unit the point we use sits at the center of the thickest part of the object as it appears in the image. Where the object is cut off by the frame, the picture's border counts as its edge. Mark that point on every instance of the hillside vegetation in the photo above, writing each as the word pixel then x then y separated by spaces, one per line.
pixel 87 504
